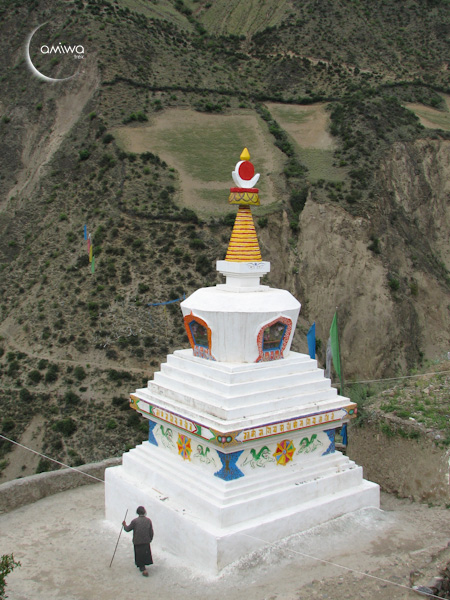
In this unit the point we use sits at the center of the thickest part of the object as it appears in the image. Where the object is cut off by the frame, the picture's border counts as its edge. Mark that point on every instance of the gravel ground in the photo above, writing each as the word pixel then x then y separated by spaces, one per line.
pixel 65 547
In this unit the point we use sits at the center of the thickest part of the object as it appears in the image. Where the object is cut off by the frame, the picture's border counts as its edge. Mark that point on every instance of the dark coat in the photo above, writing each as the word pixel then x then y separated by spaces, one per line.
pixel 142 530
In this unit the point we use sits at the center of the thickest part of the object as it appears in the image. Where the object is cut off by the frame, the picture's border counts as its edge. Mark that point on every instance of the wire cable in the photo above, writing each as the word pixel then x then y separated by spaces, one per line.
pixel 329 562
pixel 271 544
pixel 51 459
pixel 395 378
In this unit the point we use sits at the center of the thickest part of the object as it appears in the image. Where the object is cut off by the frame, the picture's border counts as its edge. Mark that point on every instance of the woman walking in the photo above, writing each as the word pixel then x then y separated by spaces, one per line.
pixel 142 536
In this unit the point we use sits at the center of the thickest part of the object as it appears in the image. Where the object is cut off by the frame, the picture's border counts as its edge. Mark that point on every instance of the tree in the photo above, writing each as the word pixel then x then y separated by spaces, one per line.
pixel 7 564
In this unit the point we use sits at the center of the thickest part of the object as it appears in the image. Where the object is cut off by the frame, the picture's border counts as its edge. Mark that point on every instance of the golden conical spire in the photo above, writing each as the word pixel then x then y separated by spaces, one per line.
pixel 243 246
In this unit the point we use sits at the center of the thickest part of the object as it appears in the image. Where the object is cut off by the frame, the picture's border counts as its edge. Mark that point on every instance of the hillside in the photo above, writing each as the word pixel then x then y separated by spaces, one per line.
pixel 331 99
pixel 402 434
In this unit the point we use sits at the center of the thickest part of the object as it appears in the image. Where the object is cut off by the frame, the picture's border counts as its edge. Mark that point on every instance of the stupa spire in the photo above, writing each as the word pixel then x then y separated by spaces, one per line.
pixel 244 245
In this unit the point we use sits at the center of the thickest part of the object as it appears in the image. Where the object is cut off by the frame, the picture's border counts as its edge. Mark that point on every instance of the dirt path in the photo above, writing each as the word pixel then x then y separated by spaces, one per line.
pixel 370 554
pixel 86 358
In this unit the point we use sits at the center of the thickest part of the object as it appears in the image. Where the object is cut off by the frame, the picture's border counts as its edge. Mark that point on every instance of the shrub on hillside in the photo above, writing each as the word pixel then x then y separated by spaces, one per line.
pixel 42 364
pixel 8 425
pixel 25 395
pixel 84 154
pixel 298 198
pixel 65 426
pixel 79 373
pixel 138 116
pixel 71 398
pixel 35 376
pixel 203 265
pixel 262 222
pixel 13 368
pixel 52 374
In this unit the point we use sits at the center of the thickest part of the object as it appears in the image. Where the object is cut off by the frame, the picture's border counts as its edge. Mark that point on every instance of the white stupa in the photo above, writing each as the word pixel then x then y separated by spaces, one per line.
pixel 241 429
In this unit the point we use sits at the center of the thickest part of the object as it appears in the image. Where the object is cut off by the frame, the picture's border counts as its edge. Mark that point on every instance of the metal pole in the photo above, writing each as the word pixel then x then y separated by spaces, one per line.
pixel 121 529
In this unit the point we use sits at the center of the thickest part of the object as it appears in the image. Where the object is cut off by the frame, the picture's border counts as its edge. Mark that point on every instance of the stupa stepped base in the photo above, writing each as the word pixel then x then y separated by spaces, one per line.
pixel 232 395
pixel 209 522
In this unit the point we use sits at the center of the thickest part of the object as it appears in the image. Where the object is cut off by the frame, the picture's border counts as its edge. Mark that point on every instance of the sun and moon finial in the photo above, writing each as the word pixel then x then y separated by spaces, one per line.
pixel 244 172
pixel 244 246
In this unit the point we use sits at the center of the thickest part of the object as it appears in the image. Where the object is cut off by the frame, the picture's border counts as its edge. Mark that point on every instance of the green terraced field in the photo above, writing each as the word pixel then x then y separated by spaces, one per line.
pixel 430 117
pixel 204 149
pixel 236 17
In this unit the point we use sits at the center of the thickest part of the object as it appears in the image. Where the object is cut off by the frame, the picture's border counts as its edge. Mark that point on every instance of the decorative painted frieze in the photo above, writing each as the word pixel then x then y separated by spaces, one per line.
pixel 231 438
pixel 285 452
pixel 184 447
pixel 258 459
pixel 303 422
pixel 309 445
pixel 229 470
pixel 205 455
pixel 272 455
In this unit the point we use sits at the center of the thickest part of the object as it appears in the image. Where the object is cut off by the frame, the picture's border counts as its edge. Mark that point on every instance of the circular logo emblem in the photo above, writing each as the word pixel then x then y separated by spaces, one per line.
pixel 51 58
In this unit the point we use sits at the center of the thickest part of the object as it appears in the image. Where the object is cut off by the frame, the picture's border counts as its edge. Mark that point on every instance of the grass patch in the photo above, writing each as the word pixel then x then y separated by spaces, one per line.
pixel 204 149
pixel 423 400
pixel 267 209
pixel 159 10
pixel 430 117
pixel 203 146
pixel 308 127
pixel 242 18
pixel 320 165
pixel 292 114
pixel 203 152
pixel 217 199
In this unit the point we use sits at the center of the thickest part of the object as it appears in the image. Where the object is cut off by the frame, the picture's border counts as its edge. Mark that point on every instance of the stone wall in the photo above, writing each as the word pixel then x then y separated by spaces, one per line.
pixel 26 490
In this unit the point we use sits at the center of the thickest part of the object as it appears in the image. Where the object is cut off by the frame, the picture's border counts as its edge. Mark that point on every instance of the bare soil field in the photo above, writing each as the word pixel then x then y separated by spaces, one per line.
pixel 308 126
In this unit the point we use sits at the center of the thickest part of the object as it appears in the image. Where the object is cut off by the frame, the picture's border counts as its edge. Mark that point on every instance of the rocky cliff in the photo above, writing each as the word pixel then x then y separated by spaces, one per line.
pixel 387 272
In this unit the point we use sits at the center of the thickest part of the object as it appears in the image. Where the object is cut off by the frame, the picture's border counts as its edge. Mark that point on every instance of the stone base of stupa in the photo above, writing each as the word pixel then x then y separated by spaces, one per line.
pixel 237 453
pixel 209 527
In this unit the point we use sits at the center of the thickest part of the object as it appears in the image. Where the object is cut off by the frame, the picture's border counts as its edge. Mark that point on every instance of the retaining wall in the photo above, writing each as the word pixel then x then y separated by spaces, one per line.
pixel 26 490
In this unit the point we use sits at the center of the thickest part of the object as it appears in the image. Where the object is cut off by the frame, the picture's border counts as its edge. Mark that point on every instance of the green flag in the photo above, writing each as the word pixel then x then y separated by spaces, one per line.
pixel 93 265
pixel 335 346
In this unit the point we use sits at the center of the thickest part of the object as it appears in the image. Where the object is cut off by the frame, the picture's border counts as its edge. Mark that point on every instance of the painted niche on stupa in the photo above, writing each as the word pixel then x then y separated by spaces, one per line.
pixel 272 339
pixel 199 335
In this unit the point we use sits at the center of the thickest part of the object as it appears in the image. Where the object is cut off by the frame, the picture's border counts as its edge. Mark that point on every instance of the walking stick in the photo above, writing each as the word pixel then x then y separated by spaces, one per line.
pixel 121 529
